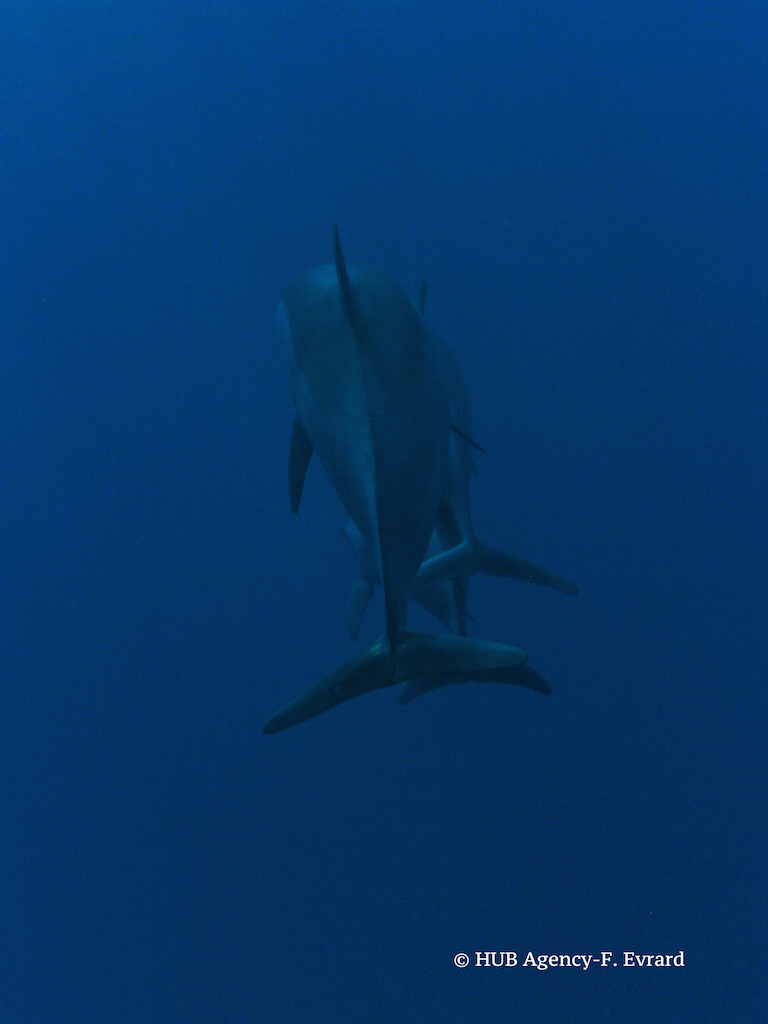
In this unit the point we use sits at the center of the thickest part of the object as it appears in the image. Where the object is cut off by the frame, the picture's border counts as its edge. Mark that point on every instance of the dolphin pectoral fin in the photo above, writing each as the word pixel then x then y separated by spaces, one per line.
pixel 520 675
pixel 370 670
pixel 298 461
pixel 456 561
pixel 471 556
pixel 493 562
pixel 359 598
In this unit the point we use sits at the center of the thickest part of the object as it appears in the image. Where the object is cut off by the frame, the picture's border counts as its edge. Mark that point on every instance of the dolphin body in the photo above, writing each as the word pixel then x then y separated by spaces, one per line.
pixel 370 398
pixel 454 552
pixel 445 598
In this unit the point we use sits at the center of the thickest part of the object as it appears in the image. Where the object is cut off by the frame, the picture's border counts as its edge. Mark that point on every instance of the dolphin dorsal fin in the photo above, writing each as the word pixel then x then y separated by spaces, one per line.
pixel 298 461
pixel 348 297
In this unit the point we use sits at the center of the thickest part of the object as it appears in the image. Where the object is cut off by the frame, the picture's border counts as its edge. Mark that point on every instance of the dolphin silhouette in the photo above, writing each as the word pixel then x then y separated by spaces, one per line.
pixel 445 598
pixel 454 552
pixel 447 594
pixel 370 398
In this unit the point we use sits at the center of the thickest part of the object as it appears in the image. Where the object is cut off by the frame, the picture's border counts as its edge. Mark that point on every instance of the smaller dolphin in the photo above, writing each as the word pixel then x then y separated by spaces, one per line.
pixel 440 586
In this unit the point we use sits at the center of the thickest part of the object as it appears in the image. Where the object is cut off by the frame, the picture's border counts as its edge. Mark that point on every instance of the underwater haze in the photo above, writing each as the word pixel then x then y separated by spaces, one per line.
pixel 583 186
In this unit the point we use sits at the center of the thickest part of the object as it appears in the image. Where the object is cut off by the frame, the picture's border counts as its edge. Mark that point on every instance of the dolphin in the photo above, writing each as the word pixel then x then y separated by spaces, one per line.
pixel 445 598
pixel 447 594
pixel 441 585
pixel 370 399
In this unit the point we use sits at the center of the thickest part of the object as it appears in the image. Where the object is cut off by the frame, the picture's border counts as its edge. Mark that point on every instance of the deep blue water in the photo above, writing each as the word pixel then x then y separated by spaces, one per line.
pixel 584 188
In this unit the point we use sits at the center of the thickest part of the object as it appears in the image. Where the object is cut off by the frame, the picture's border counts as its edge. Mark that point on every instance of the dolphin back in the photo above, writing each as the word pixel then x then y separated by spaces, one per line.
pixel 409 424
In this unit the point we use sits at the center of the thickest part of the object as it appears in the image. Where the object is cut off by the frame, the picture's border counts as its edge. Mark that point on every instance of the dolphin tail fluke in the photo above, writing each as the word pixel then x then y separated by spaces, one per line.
pixel 520 675
pixel 415 655
pixel 367 671
pixel 419 654
pixel 472 556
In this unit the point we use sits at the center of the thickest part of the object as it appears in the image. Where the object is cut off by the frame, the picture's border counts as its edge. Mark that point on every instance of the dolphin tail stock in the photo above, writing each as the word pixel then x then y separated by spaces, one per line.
pixel 413 655
pixel 472 556
pixel 519 675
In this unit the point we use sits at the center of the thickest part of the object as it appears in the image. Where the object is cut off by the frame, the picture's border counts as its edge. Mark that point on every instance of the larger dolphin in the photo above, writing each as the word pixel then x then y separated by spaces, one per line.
pixel 370 399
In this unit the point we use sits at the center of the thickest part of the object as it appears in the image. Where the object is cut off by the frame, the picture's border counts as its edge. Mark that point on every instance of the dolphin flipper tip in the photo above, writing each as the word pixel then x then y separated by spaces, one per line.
pixel 493 562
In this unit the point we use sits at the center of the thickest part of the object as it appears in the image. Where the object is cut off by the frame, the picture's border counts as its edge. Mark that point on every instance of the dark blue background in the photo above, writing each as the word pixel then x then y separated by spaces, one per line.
pixel 584 188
